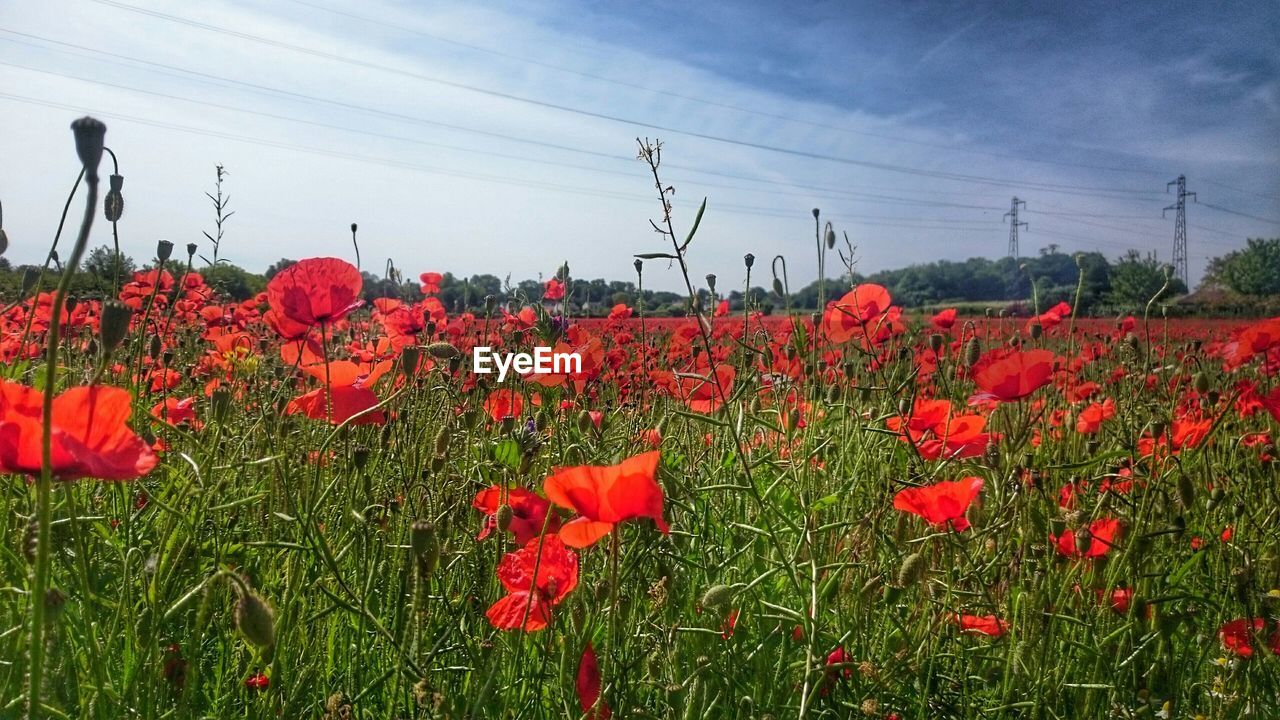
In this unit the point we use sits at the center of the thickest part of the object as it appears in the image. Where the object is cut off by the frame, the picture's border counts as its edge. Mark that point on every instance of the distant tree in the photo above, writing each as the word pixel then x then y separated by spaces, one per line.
pixel 1136 279
pixel 102 264
pixel 233 282
pixel 1254 271
pixel 277 266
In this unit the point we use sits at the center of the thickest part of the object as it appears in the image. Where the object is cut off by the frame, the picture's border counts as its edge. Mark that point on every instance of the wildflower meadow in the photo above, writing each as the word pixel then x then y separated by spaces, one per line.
pixel 307 504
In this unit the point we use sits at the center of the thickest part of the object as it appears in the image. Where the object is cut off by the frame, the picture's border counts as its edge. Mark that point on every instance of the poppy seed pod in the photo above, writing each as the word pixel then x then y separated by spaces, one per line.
pixel 1084 540
pixel 353 227
pixel 443 351
pixel 220 403
pixel 114 324
pixel 936 342
pixel 191 250
pixel 409 358
pixel 164 249
pixel 1037 331
pixel 749 260
pixel 816 211
pixel 639 265
pixel 155 348
pixel 89 134
pixel 717 595
pixel 711 281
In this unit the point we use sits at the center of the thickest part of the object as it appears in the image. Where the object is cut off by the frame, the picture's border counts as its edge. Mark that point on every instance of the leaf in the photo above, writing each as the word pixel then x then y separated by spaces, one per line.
pixel 657 256
pixel 507 452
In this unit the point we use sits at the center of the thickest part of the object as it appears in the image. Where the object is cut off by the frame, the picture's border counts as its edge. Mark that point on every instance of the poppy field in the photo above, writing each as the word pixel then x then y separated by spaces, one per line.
pixel 305 505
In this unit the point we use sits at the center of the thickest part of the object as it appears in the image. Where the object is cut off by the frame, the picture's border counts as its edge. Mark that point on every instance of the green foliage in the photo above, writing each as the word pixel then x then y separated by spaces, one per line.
pixel 234 282
pixel 1136 279
pixel 1253 271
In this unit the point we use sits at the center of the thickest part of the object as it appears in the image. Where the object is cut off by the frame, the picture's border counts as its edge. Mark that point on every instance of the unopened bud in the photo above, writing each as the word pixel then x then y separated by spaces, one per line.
pixel 972 352
pixel 717 595
pixel 113 326
pixel 503 517
pixel 831 238
pixel 912 570
pixel 443 351
pixel 778 289
pixel 442 441
pixel 1201 383
pixel 254 617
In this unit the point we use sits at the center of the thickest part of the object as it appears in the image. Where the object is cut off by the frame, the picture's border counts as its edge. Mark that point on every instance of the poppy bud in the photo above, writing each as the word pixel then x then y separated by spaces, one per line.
pixel 155 348
pixel 31 540
pixel 717 595
pixel 164 249
pixel 220 403
pixel 1084 540
pixel 113 203
pixel 114 324
pixel 426 548
pixel 833 395
pixel 443 351
pixel 777 289
pixel 912 570
pixel 1201 383
pixel 831 238
pixel 442 441
pixel 584 422
pixel 972 352
pixel 89 134
pixel 254 617
pixel 749 260
pixel 503 516
pixel 1186 491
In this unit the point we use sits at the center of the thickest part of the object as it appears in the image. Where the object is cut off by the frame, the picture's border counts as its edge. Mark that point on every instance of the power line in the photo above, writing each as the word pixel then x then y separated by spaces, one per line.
pixel 711 103
pixel 1243 215
pixel 735 209
pixel 887 167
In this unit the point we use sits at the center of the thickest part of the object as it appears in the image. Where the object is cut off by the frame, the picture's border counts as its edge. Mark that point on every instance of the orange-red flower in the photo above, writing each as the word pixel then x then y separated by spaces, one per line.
pixel 941 504
pixel 315 291
pixel 988 625
pixel 945 319
pixel 530 597
pixel 588 686
pixel 553 290
pixel 503 403
pixel 528 512
pixel 851 315
pixel 430 282
pixel 1015 375
pixel 90 434
pixel 1237 635
pixel 1102 536
pixel 604 496
pixel 344 402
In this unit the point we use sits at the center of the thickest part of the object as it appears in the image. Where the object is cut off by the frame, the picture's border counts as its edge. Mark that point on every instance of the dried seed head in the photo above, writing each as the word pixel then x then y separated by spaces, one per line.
pixel 749 260
pixel 936 341
pixel 191 250
pixel 409 358
pixel 220 403
pixel 711 281
pixel 164 250
pixel 639 265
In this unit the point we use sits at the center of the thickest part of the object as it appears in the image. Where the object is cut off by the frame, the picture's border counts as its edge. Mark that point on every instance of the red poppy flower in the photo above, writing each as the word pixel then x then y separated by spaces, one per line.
pixel 1015 375
pixel 988 625
pixel 430 282
pixel 346 402
pixel 1237 635
pixel 606 495
pixel 315 291
pixel 851 315
pixel 553 290
pixel 175 411
pixel 942 503
pixel 503 403
pixel 528 512
pixel 1103 533
pixel 945 319
pixel 530 598
pixel 620 312
pixel 722 309
pixel 702 396
pixel 90 434
pixel 588 686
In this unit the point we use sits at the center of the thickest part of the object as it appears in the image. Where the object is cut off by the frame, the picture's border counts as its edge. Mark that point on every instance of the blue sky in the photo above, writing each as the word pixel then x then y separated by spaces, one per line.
pixel 496 137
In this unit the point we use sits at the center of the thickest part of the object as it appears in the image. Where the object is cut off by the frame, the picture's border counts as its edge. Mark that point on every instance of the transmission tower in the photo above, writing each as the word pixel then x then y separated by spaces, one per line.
pixel 1180 228
pixel 1012 215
